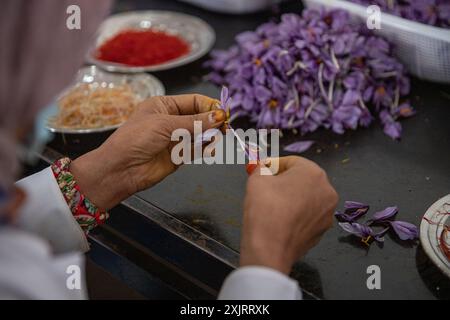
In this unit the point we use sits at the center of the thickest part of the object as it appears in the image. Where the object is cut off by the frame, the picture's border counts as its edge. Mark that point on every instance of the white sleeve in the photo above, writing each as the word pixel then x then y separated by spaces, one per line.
pixel 259 283
pixel 46 214
pixel 30 271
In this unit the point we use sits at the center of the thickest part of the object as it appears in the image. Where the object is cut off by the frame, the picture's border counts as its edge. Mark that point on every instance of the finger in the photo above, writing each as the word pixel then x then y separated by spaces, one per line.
pixel 290 163
pixel 189 104
pixel 286 163
pixel 209 120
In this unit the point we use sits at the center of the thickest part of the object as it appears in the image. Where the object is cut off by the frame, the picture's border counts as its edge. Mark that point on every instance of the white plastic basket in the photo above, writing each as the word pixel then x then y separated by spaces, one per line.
pixel 234 6
pixel 423 49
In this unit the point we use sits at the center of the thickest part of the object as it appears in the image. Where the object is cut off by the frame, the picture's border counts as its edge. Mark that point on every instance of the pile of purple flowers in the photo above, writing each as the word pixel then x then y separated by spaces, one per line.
pixel 432 12
pixel 311 71
pixel 384 219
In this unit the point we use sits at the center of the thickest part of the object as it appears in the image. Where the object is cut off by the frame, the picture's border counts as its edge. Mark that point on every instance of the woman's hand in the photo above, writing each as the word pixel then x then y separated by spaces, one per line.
pixel 285 215
pixel 138 154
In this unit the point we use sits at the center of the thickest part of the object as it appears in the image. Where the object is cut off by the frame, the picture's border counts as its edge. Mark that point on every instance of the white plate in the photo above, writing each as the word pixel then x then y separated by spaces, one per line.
pixel 197 33
pixel 143 85
pixel 431 230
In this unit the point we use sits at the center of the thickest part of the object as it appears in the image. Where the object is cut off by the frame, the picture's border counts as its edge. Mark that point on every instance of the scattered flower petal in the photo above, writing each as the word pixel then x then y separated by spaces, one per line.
pixel 357 229
pixel 405 230
pixel 385 214
pixel 353 211
pixel 299 147
pixel 355 206
pixel 362 231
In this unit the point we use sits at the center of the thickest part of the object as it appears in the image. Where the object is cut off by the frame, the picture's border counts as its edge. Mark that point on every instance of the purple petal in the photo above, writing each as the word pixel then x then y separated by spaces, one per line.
pixel 405 110
pixel 405 230
pixel 393 130
pixel 350 97
pixel 299 147
pixel 224 96
pixel 344 216
pixel 385 214
pixel 348 217
pixel 355 205
pixel 353 211
pixel 357 229
pixel 379 236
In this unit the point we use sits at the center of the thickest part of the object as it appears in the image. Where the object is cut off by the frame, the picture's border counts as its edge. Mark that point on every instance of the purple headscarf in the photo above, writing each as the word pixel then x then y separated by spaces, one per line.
pixel 38 57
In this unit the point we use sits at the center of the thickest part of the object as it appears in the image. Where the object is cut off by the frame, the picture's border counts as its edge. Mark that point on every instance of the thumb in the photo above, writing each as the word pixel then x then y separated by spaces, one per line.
pixel 209 120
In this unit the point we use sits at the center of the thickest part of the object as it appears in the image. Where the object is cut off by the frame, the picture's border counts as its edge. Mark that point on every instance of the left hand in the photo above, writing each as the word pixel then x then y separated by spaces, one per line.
pixel 138 154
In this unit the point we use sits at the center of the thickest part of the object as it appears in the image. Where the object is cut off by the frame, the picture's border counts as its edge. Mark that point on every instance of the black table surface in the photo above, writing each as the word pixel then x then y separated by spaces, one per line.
pixel 364 165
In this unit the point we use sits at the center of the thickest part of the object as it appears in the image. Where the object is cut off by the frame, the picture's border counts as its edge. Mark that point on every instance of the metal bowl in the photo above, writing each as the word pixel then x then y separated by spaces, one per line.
pixel 196 32
pixel 143 85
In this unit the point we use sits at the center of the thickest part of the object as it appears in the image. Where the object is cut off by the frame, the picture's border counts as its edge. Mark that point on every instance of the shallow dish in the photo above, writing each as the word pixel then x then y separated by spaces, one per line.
pixel 197 33
pixel 431 228
pixel 142 85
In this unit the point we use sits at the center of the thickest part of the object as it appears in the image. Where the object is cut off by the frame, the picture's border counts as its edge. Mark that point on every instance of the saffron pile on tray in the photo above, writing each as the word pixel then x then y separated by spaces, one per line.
pixel 311 71
pixel 141 48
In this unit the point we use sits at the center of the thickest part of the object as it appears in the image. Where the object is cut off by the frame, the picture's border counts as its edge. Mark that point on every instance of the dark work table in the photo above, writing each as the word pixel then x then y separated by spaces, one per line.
pixel 363 165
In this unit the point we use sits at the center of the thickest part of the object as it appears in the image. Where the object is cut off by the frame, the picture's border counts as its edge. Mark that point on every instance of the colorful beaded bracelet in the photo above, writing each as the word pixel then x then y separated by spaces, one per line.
pixel 84 211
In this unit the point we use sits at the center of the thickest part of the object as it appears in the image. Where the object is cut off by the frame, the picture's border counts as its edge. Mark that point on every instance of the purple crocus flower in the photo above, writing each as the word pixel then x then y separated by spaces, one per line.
pixel 225 102
pixel 317 70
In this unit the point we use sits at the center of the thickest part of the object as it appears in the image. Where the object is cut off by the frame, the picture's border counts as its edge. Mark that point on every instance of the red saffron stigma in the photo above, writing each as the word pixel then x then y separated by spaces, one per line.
pixel 142 48
pixel 443 244
pixel 442 238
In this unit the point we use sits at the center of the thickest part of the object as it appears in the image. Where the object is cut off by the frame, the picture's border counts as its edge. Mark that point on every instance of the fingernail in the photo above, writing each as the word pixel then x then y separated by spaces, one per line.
pixel 216 104
pixel 216 116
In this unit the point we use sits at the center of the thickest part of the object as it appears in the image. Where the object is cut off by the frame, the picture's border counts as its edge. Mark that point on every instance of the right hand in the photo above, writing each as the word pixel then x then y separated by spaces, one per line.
pixel 285 215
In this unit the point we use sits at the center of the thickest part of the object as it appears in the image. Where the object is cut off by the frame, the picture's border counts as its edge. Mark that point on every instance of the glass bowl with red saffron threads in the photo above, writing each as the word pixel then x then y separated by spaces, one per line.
pixel 140 48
